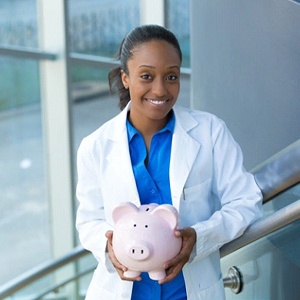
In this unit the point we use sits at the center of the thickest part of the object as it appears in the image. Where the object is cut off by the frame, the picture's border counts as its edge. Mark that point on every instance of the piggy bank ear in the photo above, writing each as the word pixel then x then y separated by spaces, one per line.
pixel 168 213
pixel 123 209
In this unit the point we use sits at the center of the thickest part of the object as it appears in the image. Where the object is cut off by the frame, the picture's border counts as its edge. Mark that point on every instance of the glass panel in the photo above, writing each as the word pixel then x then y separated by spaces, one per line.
pixel 178 21
pixel 98 26
pixel 92 102
pixel 282 200
pixel 24 222
pixel 270 266
pixel 18 23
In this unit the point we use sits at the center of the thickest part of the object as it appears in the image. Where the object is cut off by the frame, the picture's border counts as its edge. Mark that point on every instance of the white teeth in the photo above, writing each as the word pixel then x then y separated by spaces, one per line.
pixel 156 101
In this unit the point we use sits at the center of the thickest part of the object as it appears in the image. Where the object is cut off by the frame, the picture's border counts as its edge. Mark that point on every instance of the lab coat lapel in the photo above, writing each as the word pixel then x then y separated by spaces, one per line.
pixel 118 158
pixel 184 151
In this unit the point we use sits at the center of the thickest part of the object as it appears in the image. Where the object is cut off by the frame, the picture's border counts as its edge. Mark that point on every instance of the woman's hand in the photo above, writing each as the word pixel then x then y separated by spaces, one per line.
pixel 175 265
pixel 118 266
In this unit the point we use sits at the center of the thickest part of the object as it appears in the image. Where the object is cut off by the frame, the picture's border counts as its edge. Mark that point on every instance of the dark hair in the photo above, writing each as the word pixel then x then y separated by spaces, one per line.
pixel 138 35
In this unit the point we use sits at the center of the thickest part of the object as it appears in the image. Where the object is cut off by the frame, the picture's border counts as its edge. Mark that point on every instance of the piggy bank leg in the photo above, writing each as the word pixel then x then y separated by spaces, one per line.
pixel 131 274
pixel 157 275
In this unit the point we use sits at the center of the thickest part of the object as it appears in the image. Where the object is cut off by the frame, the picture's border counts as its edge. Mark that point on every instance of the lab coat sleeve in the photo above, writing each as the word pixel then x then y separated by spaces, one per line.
pixel 90 220
pixel 239 197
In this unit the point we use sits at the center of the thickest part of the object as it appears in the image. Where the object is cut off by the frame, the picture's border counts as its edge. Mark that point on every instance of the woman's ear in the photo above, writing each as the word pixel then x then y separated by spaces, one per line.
pixel 125 79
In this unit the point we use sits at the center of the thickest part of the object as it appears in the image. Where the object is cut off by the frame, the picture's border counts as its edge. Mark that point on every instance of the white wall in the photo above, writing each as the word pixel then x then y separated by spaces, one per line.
pixel 245 59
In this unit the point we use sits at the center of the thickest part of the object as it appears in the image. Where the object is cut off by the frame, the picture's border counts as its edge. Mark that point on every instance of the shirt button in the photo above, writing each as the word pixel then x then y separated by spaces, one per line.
pixel 152 191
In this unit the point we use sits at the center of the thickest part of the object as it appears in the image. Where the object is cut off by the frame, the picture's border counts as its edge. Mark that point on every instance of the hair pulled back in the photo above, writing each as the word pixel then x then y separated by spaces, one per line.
pixel 137 36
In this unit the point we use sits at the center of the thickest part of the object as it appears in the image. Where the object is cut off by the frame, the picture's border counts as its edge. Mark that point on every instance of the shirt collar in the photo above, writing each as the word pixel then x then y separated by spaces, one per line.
pixel 169 127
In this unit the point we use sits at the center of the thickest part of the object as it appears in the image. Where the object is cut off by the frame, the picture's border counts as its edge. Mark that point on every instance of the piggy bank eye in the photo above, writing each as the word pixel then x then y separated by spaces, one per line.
pixel 147 209
pixel 146 226
pixel 134 225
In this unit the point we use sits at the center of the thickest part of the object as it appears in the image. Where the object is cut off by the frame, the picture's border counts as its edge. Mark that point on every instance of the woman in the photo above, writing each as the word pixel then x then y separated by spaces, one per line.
pixel 154 151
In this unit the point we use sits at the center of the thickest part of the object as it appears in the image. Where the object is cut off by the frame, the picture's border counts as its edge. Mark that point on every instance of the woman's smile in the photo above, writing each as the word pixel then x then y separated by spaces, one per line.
pixel 157 102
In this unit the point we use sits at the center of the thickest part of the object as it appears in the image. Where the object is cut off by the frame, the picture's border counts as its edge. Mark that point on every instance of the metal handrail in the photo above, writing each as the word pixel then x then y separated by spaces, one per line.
pixel 26 52
pixel 40 271
pixel 58 286
pixel 92 60
pixel 285 164
pixel 263 227
pixel 280 172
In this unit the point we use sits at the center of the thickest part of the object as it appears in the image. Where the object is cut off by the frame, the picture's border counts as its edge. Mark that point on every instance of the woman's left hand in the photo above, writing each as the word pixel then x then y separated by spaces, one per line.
pixel 175 265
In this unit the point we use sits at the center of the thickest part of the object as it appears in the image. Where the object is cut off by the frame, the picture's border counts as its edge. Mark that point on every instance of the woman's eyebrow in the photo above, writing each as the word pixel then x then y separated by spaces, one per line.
pixel 146 66
pixel 152 67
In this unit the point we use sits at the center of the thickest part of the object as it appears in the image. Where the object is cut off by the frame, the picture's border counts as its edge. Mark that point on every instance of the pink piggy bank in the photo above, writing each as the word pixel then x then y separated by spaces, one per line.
pixel 144 238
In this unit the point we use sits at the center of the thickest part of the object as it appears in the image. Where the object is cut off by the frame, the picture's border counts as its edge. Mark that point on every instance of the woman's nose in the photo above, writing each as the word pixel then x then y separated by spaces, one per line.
pixel 159 87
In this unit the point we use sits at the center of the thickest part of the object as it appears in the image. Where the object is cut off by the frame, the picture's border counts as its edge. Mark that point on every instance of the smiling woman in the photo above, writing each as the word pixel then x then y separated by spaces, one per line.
pixel 148 76
pixel 155 152
pixel 132 43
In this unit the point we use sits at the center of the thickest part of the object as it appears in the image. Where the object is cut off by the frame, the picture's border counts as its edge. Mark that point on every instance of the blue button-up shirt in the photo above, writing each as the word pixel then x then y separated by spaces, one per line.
pixel 152 179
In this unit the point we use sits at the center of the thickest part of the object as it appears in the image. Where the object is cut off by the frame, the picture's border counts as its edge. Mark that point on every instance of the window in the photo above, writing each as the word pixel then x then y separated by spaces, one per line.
pixel 24 222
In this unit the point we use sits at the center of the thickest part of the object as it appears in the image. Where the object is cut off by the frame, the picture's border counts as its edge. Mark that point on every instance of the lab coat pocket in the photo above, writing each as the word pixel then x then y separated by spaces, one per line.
pixel 192 193
pixel 195 204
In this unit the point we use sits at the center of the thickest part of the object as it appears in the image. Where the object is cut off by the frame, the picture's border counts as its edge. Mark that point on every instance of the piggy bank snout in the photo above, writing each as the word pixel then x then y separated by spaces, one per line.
pixel 139 251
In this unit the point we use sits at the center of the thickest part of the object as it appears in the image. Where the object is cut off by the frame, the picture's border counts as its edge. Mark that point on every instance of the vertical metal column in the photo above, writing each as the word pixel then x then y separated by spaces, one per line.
pixel 55 99
pixel 56 122
pixel 152 12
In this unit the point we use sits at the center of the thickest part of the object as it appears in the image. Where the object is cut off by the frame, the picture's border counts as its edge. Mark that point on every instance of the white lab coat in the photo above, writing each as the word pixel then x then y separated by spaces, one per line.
pixel 209 187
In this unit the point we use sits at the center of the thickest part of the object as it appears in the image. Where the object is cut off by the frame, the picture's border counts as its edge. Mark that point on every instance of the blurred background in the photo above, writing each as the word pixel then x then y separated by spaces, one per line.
pixel 33 131
pixel 241 61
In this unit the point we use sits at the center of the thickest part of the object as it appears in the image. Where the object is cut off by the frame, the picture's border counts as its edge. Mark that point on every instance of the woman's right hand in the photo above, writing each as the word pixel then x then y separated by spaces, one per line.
pixel 111 254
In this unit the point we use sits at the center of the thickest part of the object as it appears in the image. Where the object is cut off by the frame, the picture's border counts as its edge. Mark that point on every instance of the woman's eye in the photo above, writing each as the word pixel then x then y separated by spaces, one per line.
pixel 172 77
pixel 146 76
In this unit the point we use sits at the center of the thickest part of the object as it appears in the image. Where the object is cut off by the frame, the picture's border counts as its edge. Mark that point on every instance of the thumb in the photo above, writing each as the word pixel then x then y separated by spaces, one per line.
pixel 109 234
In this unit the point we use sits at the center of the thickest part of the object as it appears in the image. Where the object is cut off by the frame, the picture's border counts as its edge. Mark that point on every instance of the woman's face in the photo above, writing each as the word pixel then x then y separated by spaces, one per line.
pixel 153 81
